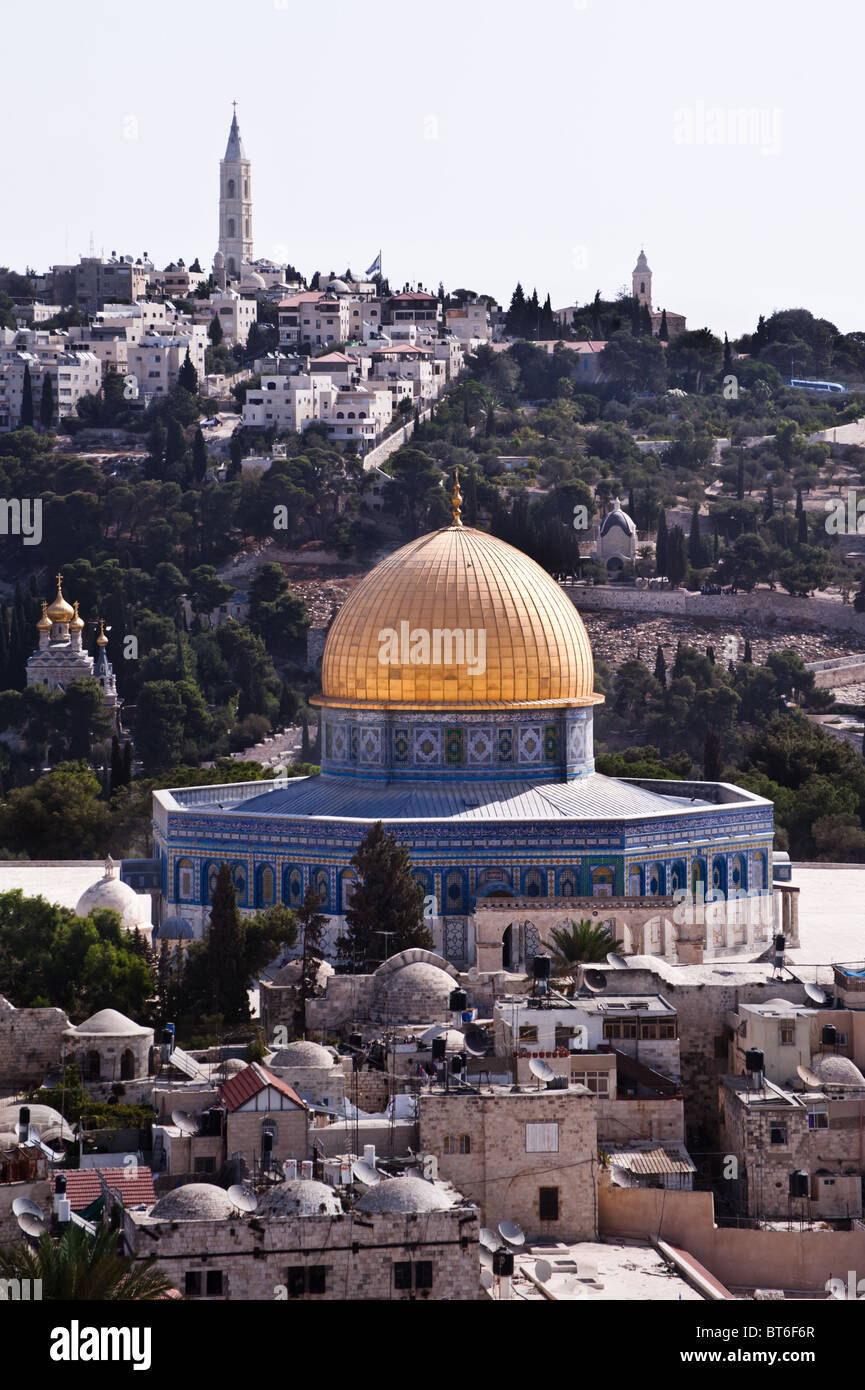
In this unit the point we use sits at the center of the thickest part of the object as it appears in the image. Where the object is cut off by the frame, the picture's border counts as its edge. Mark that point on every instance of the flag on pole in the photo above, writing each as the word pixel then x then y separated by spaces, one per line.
pixel 375 268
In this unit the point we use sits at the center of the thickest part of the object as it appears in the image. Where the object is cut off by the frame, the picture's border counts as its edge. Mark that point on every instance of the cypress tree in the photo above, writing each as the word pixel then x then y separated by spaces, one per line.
pixel 748 654
pixel 214 331
pixel 26 400
pixel 696 553
pixel 312 925
pixel 187 377
pixel 728 356
pixel 663 331
pixel 224 952
pixel 660 666
pixel 678 666
pixel 769 509
pixel 677 556
pixel 800 506
pixel 46 405
pixel 740 476
pixel 386 899
pixel 515 319
pixel 645 321
pixel 712 756
pixel 710 653
pixel 304 742
pixel 127 763
pixel 116 764
pixel 661 544
pixel 803 528
pixel 235 448
pixel 199 456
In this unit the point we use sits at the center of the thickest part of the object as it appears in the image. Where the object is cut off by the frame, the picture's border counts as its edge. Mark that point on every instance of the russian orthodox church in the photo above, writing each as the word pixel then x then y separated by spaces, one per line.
pixel 61 656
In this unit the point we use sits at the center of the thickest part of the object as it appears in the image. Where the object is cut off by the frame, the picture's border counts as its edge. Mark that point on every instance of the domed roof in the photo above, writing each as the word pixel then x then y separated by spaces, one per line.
pixel 618 518
pixel 173 929
pixel 44 623
pixel 300 1198
pixel 415 993
pixel 48 1121
pixel 108 1022
pixel 339 285
pixel 302 1054
pixel 290 973
pixel 396 642
pixel 77 624
pixel 837 1070
pixel 252 281
pixel 60 611
pixel 195 1201
pixel 110 892
pixel 233 1065
pixel 404 1194
pixel 455 1041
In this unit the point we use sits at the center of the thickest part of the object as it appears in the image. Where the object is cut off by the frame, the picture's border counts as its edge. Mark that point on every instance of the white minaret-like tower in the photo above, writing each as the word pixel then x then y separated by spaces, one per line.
pixel 235 203
pixel 642 281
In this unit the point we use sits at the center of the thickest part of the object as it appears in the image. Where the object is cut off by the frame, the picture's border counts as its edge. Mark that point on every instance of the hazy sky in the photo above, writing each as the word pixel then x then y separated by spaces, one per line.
pixel 474 141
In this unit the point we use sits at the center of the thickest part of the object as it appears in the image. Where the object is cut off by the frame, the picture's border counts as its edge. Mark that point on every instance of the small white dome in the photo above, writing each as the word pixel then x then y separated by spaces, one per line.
pixel 404 1194
pixel 302 1054
pixel 300 1197
pixel 110 893
pixel 196 1201
pixel 108 1022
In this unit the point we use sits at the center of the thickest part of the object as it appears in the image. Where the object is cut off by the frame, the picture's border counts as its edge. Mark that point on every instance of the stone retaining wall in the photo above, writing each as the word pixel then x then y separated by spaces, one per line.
pixel 766 606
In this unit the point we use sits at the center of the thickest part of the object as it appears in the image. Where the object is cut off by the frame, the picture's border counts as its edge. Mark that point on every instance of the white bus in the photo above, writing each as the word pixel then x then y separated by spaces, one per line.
pixel 825 386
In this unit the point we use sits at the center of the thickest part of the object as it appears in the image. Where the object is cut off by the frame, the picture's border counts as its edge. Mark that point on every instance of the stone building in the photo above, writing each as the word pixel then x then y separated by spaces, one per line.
pixel 31 1041
pixel 258 1104
pixel 235 205
pixel 773 1132
pixel 404 1239
pixel 523 1155
pixel 108 1046
pixel 61 658
pixel 617 540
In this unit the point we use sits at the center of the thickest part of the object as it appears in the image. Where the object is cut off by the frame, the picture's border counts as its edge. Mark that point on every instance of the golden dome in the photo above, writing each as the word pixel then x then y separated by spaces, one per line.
pixel 486 625
pixel 102 640
pixel 60 611
pixel 44 623
pixel 77 624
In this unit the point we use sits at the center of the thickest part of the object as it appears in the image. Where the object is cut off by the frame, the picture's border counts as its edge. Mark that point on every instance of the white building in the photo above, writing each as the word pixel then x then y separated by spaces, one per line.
pixel 236 315
pixel 287 402
pixel 156 360
pixel 74 373
pixel 470 323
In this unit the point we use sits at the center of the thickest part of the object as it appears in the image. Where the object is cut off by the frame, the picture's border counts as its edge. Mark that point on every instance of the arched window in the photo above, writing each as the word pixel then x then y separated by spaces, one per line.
pixel 760 870
pixel 209 876
pixel 340 415
pixel 635 882
pixel 292 891
pixel 229 189
pixel 454 892
pixel 351 415
pixel 657 880
pixel 568 883
pixel 719 874
pixel 534 883
pixel 231 226
pixel 238 878
pixel 265 886
pixel 347 885
pixel 677 877
pixel 425 879
pixel 740 873
pixel 698 876
pixel 320 880
pixel 127 1064
pixel 232 268
pixel 184 880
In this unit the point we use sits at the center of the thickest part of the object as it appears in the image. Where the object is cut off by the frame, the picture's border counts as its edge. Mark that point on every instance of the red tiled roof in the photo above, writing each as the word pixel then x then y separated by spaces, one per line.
pixel 237 1090
pixel 294 301
pixel 83 1185
pixel 414 294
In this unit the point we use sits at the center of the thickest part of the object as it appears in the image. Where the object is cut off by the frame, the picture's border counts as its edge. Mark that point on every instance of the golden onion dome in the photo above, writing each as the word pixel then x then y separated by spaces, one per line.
pixel 60 611
pixel 77 624
pixel 382 648
pixel 44 623
pixel 102 640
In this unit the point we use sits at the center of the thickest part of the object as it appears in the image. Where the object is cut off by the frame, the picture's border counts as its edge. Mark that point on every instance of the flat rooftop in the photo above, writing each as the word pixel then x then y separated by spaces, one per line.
pixel 591 1271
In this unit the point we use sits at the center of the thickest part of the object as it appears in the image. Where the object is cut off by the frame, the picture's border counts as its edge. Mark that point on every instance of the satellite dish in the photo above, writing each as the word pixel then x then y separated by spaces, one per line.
pixel 543 1271
pixel 488 1239
pixel 618 961
pixel 595 981
pixel 23 1205
pixel 512 1233
pixel 365 1173
pixel 486 1257
pixel 816 995
pixel 243 1200
pixel 541 1069
pixel 186 1123
pixel 487 1279
pixel 810 1078
pixel 31 1225
pixel 477 1042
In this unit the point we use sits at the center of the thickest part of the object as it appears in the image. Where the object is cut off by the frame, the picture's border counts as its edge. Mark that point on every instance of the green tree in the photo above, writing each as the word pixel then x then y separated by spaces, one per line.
pixel 187 377
pixel 224 952
pixel 80 1268
pixel 46 404
pixel 660 667
pixel 26 418
pixel 199 456
pixel 312 924
pixel 712 756
pixel 214 331
pixel 661 542
pixel 387 899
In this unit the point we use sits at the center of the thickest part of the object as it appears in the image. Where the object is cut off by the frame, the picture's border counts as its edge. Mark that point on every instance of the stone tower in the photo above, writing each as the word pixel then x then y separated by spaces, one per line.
pixel 642 281
pixel 235 204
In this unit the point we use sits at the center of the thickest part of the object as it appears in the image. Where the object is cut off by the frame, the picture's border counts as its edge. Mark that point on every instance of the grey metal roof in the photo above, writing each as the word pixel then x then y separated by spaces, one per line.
pixel 594 797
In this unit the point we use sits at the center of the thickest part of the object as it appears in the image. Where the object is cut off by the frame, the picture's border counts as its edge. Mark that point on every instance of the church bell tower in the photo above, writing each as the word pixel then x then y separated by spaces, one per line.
pixel 642 281
pixel 235 204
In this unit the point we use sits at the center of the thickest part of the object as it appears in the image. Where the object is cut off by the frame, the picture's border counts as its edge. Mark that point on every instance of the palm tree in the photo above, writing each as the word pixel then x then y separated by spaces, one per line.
pixel 81 1267
pixel 581 943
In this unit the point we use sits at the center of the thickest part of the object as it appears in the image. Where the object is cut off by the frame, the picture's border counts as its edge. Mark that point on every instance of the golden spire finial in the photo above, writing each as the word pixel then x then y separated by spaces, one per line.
pixel 457 499
pixel 102 640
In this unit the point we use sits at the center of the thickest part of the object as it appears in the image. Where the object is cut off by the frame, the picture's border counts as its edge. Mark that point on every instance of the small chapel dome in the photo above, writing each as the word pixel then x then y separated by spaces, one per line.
pixel 60 611
pixel 110 892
